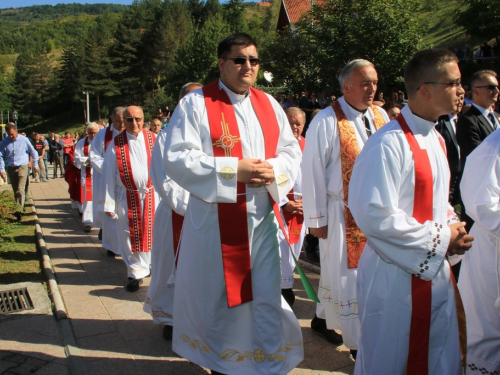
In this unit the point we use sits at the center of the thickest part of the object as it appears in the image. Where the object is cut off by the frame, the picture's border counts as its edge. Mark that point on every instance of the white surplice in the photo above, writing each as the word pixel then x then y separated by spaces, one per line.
pixel 108 225
pixel 258 337
pixel 160 296
pixel 381 199
pixel 323 202
pixel 479 281
pixel 80 161
pixel 115 200
pixel 287 262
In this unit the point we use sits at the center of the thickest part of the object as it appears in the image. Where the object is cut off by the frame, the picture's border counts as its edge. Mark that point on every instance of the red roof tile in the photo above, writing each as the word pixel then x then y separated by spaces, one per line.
pixel 295 8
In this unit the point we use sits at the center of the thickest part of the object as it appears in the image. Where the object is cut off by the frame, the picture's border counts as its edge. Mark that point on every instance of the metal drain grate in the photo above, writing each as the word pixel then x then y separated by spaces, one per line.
pixel 15 300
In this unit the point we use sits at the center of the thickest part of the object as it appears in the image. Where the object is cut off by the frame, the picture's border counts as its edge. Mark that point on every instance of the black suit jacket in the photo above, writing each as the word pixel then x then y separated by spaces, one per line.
pixel 445 128
pixel 472 129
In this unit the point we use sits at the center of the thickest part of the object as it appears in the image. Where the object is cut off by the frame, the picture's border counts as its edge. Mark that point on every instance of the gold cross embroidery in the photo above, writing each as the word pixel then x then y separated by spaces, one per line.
pixel 356 234
pixel 226 140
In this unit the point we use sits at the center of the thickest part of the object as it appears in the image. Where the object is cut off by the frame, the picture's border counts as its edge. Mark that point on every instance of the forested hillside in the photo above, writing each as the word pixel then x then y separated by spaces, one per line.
pixel 143 53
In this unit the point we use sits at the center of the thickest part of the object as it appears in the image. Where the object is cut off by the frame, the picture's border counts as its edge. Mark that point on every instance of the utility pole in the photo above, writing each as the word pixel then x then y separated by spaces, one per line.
pixel 88 106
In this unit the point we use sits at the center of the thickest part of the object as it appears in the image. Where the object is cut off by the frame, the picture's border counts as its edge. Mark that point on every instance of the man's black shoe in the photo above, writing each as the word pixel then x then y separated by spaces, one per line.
pixel 288 295
pixel 133 284
pixel 18 216
pixel 354 353
pixel 110 254
pixel 318 326
pixel 99 235
pixel 167 332
pixel 312 256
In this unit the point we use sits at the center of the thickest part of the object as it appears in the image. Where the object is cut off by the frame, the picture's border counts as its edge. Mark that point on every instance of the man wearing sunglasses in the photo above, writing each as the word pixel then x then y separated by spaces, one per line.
pixel 129 196
pixel 97 151
pixel 232 148
pixel 479 121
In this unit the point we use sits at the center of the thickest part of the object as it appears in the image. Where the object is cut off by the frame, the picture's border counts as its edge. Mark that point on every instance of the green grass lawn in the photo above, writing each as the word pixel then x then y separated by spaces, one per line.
pixel 19 260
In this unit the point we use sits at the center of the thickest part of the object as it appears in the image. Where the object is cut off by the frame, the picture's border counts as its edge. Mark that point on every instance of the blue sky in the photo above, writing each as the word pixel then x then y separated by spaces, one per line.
pixel 27 3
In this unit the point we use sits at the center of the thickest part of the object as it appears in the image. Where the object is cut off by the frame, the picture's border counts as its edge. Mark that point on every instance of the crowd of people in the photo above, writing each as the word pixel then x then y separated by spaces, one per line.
pixel 217 206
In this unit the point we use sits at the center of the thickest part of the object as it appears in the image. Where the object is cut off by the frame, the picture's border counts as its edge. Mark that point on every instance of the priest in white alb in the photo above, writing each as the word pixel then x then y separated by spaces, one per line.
pixel 231 147
pixel 398 195
pixel 130 197
pixel 167 230
pixel 97 151
pixel 82 162
pixel 291 211
pixel 479 282
pixel 334 139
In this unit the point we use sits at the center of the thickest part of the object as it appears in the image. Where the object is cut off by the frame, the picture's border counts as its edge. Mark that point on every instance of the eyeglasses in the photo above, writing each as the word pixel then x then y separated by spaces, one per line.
pixel 450 84
pixel 490 87
pixel 131 119
pixel 254 61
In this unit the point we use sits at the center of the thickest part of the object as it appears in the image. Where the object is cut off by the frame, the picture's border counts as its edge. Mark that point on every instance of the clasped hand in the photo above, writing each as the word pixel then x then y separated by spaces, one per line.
pixel 460 241
pixel 255 172
pixel 294 207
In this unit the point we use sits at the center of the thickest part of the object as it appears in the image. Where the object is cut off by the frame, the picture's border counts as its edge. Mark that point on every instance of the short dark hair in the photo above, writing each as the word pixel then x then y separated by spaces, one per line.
pixel 479 75
pixel 238 39
pixel 426 66
pixel 391 105
pixel 10 126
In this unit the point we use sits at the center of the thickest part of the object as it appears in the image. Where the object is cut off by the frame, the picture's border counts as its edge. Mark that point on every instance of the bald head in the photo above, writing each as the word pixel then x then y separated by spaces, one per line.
pixel 296 119
pixel 188 87
pixel 134 119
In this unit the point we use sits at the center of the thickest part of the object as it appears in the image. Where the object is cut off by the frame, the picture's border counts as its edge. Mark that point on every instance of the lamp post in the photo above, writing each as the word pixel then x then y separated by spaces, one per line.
pixel 88 106
pixel 15 117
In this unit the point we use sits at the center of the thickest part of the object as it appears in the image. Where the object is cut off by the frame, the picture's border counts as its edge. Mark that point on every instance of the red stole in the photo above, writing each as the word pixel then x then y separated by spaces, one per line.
pixel 177 221
pixel 294 222
pixel 349 151
pixel 233 221
pixel 108 136
pixel 72 175
pixel 140 223
pixel 88 173
pixel 421 290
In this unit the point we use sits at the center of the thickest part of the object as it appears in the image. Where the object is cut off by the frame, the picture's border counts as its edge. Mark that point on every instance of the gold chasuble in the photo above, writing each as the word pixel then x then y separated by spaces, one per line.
pixel 349 150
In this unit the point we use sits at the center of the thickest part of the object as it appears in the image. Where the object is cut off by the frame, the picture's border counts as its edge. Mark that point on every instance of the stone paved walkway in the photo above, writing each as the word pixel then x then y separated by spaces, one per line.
pixel 113 333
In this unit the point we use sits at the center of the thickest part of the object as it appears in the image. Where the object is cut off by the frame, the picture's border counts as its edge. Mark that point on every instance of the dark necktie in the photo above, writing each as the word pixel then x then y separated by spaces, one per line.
pixel 367 126
pixel 492 119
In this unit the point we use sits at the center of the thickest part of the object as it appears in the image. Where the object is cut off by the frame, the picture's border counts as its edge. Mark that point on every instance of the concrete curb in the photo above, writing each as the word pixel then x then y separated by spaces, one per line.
pixel 55 293
pixel 309 266
pixel 75 362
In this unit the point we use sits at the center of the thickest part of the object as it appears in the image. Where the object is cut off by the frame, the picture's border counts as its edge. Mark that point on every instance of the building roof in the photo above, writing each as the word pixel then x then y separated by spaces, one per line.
pixel 292 10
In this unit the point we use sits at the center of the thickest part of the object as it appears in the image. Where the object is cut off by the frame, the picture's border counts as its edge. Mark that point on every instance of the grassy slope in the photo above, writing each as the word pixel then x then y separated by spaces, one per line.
pixel 442 31
pixel 19 260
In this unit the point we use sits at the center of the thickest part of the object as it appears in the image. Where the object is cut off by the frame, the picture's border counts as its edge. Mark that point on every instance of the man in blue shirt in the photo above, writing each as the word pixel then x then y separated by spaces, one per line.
pixel 15 151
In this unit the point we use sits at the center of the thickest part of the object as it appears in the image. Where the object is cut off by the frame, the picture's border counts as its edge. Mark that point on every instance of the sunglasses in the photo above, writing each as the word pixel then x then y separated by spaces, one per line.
pixel 490 87
pixel 130 119
pixel 254 61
